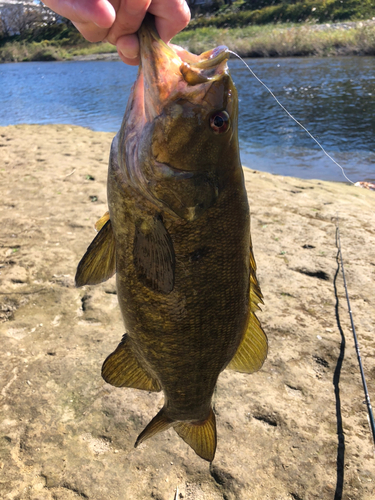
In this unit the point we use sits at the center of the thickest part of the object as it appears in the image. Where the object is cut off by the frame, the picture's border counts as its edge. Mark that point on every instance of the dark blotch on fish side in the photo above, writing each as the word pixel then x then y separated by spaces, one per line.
pixel 198 254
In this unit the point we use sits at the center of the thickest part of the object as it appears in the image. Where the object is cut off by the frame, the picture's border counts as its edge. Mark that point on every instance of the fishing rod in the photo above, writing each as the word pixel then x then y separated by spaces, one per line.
pixel 367 397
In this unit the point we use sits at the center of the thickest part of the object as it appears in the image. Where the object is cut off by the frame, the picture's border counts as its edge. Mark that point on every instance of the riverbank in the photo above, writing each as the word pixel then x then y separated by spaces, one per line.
pixel 280 40
pixel 296 429
pixel 286 40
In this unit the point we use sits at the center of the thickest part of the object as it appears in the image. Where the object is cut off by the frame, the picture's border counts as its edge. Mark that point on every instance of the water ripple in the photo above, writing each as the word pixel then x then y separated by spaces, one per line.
pixel 333 97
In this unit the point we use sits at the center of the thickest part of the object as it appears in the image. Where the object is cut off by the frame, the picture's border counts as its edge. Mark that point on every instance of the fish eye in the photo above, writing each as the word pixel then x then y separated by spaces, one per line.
pixel 219 121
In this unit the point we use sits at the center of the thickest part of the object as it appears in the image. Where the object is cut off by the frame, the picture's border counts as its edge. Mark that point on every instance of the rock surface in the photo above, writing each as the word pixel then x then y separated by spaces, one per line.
pixel 297 429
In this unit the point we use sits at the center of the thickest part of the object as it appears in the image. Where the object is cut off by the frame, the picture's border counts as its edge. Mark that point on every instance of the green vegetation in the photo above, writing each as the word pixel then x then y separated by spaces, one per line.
pixel 284 40
pixel 252 28
pixel 245 12
pixel 50 50
pixel 50 43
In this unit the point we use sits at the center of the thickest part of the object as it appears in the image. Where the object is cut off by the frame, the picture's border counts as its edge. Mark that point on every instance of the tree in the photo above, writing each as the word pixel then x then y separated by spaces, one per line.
pixel 19 18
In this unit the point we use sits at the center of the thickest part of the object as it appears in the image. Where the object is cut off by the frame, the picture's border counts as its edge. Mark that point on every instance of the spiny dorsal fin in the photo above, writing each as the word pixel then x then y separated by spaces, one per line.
pixel 253 348
pixel 158 424
pixel 201 436
pixel 122 369
pixel 99 262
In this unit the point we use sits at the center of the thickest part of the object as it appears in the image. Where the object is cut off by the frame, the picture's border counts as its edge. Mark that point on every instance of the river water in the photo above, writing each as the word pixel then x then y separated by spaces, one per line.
pixel 333 97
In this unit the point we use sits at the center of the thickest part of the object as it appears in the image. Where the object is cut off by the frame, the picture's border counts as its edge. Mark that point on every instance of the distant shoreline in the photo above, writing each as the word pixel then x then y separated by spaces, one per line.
pixel 271 40
pixel 104 56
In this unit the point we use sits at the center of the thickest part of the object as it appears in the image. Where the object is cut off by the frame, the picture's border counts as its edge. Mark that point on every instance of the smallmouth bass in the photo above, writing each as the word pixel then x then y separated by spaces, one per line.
pixel 177 235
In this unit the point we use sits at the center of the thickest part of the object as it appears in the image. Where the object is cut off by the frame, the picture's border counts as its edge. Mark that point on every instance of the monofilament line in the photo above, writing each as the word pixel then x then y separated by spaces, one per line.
pixel 291 116
pixel 368 402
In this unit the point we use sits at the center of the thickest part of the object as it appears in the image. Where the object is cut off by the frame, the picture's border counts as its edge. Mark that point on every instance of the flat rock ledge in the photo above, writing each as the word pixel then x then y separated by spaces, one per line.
pixel 296 430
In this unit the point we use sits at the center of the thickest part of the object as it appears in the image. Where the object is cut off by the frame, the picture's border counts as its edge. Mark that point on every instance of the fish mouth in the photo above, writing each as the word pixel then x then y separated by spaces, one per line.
pixel 168 71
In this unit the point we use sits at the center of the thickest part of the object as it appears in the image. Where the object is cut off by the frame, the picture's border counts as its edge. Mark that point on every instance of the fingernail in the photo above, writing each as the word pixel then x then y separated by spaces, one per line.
pixel 130 54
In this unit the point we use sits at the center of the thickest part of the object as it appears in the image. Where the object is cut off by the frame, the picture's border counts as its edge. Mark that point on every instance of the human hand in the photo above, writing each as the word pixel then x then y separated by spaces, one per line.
pixel 117 21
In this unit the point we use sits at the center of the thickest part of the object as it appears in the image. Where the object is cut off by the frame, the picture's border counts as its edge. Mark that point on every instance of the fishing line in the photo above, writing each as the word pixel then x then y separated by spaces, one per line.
pixel 368 402
pixel 292 117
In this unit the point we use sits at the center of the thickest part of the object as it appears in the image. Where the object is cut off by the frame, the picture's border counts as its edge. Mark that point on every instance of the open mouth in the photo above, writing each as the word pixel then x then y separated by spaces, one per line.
pixel 169 73
pixel 161 61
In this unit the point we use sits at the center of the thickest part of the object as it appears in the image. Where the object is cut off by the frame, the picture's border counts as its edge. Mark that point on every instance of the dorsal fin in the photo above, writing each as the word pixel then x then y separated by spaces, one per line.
pixel 122 369
pixel 99 262
pixel 253 348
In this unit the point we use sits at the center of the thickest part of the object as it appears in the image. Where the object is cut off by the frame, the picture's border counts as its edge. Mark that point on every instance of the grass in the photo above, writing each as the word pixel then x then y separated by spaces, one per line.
pixel 270 40
pixel 244 12
pixel 283 40
pixel 49 50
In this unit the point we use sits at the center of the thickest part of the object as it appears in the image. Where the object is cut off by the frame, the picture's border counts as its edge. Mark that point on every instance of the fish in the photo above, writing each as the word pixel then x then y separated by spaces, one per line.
pixel 177 236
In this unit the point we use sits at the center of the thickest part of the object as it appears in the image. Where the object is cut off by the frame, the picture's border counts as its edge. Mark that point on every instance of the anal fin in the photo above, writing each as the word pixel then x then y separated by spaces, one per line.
pixel 122 369
pixel 200 436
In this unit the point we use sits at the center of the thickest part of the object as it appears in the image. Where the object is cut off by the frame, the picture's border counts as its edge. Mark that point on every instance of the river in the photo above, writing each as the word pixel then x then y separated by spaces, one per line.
pixel 333 97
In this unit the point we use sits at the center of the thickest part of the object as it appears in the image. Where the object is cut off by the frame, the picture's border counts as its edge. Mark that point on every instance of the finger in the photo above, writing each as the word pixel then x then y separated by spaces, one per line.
pixel 91 31
pixel 129 17
pixel 128 48
pixel 98 12
pixel 130 62
pixel 171 16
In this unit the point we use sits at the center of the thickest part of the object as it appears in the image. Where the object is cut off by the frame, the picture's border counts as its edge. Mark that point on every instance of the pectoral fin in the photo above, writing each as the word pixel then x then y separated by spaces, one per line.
pixel 201 436
pixel 253 348
pixel 153 255
pixel 122 369
pixel 101 222
pixel 99 262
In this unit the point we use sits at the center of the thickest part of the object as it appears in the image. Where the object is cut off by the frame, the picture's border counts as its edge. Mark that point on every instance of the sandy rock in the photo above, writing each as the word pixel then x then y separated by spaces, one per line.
pixel 297 429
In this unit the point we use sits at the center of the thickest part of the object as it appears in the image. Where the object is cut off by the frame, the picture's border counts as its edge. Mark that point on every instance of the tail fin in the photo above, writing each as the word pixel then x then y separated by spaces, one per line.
pixel 159 423
pixel 201 436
